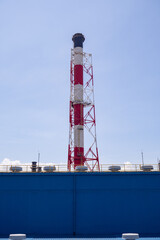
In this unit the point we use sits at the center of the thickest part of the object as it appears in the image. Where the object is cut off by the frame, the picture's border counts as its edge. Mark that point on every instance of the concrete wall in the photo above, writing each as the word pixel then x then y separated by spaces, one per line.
pixel 79 204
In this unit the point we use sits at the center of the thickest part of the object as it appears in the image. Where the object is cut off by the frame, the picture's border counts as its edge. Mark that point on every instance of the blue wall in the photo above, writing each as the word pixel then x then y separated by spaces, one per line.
pixel 79 204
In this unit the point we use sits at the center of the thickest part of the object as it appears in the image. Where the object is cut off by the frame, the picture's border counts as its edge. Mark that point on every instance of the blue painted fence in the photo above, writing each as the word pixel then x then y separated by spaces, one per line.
pixel 80 204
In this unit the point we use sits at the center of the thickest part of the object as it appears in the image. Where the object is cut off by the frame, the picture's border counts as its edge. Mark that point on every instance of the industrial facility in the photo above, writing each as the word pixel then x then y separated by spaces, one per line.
pixel 82 198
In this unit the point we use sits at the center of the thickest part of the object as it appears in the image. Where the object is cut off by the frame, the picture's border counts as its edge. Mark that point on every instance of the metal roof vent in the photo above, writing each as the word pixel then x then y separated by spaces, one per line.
pixel 49 168
pixel 15 169
pixel 81 168
pixel 130 236
pixel 17 236
pixel 114 168
pixel 146 168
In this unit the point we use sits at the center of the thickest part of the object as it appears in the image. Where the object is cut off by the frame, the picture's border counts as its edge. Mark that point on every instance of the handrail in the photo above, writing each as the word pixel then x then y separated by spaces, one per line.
pixel 63 168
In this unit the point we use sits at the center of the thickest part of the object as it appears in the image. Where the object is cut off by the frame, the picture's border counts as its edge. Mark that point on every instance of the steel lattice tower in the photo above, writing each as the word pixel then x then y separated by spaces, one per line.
pixel 82 110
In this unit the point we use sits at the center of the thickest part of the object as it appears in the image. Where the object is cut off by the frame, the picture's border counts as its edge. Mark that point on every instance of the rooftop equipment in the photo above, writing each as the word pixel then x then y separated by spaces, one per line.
pixel 17 236
pixel 130 236
pixel 15 169
pixel 146 168
pixel 81 168
pixel 39 169
pixel 114 168
pixel 34 166
pixel 159 165
pixel 49 168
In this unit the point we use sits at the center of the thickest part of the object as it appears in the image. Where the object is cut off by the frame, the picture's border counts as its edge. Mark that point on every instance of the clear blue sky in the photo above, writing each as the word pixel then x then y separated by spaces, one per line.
pixel 35 42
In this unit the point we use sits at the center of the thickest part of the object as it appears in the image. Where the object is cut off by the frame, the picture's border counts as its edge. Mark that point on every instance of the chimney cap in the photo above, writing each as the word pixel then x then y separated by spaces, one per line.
pixel 78 39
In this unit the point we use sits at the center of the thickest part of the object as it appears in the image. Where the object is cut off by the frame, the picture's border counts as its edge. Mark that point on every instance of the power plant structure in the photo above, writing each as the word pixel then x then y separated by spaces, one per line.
pixel 82 148
pixel 81 200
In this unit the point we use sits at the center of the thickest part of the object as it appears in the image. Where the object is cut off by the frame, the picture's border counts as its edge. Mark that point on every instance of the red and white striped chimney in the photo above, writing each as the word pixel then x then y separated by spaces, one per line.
pixel 78 40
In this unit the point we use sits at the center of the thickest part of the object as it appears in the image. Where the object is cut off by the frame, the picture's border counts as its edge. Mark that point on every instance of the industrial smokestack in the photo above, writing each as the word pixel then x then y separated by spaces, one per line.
pixel 78 40
pixel 82 157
